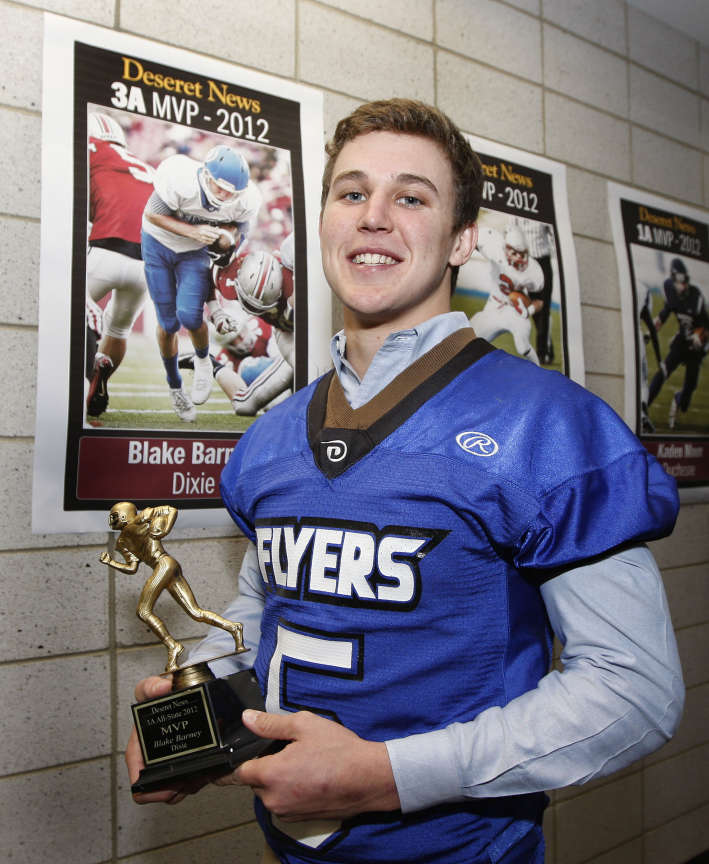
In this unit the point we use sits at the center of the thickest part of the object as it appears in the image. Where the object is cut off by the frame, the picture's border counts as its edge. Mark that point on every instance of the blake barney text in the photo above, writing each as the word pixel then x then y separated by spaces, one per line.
pixel 164 453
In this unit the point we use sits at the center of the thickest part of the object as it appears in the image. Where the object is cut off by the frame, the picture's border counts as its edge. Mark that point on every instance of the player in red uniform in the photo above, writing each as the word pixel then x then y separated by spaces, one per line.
pixel 120 184
pixel 263 284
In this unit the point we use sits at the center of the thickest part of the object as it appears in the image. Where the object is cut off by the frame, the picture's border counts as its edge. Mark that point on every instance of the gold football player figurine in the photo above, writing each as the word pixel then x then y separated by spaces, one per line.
pixel 139 540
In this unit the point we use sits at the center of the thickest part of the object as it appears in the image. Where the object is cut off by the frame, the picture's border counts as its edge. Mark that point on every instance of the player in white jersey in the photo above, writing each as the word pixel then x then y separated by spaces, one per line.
pixel 197 209
pixel 512 276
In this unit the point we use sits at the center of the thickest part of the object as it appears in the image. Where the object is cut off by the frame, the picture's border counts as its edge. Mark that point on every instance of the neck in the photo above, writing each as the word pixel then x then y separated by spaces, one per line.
pixel 364 339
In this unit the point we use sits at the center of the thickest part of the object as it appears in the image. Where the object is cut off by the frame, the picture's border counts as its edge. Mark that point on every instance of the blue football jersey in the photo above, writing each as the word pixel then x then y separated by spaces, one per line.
pixel 401 547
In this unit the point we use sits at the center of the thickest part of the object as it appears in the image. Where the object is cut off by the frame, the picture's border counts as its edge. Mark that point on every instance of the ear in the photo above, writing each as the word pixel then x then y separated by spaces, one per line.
pixel 465 242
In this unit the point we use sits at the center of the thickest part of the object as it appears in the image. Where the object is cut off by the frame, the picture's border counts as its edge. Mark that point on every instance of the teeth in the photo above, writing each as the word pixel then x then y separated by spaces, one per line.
pixel 373 258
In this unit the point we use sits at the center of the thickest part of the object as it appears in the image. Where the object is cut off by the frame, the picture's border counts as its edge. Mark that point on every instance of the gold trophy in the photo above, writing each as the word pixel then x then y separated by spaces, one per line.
pixel 197 729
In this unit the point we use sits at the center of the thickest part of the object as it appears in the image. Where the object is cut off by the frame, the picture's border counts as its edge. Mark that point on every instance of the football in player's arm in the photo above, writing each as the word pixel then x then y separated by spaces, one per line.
pixel 421 520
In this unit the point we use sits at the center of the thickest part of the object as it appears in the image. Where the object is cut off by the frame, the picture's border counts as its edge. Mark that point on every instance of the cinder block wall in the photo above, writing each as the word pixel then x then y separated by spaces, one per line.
pixel 606 89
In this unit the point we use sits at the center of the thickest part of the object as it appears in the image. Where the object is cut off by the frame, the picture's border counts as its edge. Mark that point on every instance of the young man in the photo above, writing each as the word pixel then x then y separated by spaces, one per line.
pixel 418 517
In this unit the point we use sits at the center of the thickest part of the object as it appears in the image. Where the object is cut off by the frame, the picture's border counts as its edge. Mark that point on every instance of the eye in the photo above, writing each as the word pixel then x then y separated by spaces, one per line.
pixel 354 196
pixel 409 201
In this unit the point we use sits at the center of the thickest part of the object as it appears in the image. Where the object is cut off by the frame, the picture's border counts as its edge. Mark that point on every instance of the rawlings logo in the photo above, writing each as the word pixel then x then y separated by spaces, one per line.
pixel 336 450
pixel 477 443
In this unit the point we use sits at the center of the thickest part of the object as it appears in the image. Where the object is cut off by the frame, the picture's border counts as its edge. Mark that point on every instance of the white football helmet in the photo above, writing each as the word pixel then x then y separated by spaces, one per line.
pixel 516 248
pixel 106 128
pixel 259 283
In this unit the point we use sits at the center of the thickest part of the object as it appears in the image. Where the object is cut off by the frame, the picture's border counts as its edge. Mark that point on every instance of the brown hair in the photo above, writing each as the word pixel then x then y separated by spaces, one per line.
pixel 411 117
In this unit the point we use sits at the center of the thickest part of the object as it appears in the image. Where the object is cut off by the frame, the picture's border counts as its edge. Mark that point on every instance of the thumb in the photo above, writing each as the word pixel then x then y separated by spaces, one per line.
pixel 267 725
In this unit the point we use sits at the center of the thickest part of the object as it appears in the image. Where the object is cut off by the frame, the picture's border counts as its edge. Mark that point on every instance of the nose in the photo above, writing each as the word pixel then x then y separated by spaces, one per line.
pixel 375 214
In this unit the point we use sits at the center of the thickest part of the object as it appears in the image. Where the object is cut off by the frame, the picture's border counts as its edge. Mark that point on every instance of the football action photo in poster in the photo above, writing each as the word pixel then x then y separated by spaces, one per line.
pixel 179 214
pixel 663 262
pixel 520 287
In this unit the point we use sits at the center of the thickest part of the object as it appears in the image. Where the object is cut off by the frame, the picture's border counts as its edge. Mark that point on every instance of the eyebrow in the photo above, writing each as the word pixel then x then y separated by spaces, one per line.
pixel 403 178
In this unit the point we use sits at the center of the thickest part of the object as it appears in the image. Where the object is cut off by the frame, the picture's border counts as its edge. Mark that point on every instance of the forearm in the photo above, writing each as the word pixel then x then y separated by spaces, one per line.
pixel 174 225
pixel 619 697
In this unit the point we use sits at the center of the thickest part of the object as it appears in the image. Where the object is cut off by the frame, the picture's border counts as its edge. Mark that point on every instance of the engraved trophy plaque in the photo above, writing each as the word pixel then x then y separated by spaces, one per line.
pixel 196 729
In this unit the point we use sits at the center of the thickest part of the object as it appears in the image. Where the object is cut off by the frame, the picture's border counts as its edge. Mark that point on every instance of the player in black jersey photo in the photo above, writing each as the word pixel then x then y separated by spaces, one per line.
pixel 688 346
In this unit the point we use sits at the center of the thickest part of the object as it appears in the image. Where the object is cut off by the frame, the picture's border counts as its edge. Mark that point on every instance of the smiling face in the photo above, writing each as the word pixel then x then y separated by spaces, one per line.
pixel 386 230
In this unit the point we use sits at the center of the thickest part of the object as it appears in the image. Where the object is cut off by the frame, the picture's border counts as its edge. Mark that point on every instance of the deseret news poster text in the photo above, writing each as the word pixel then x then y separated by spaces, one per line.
pixel 138 119
pixel 662 250
pixel 520 287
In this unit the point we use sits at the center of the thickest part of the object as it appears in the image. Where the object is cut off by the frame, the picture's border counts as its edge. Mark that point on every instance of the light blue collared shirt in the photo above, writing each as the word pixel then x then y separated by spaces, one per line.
pixel 398 351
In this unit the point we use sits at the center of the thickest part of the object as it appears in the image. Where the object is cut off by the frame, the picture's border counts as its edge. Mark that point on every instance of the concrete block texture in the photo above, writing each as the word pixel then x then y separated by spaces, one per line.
pixel 20 145
pixel 602 341
pixel 244 845
pixel 531 6
pixel 688 595
pixel 19 253
pixel 59 712
pixel 473 94
pixel 598 273
pixel 666 167
pixel 664 107
pixel 59 604
pixel 21 49
pixel 63 813
pixel 213 808
pixel 665 50
pixel 16 345
pixel 675 786
pixel 413 17
pixel 16 521
pixel 588 207
pixel 491 33
pixel 609 388
pixel 598 821
pixel 93 11
pixel 693 646
pixel 678 840
pixel 584 71
pixel 602 21
pixel 586 138
pixel 687 544
pixel 704 70
pixel 260 35
pixel 395 65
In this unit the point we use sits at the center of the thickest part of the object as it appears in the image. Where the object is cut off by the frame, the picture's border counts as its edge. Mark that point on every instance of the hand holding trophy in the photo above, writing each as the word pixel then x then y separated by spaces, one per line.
pixel 197 729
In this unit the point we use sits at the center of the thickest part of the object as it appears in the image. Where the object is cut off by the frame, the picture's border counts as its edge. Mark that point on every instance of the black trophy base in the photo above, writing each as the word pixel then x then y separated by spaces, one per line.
pixel 197 731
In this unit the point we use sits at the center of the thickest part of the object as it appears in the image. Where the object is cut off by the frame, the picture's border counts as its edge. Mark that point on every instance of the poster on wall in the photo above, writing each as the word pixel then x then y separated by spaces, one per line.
pixel 662 250
pixel 181 292
pixel 520 287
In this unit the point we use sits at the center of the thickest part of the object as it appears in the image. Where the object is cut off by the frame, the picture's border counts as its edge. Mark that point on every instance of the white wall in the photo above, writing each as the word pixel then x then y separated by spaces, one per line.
pixel 593 83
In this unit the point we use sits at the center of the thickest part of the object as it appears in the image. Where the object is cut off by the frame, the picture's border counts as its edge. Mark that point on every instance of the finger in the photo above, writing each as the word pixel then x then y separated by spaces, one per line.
pixel 162 796
pixel 152 687
pixel 267 725
pixel 233 778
